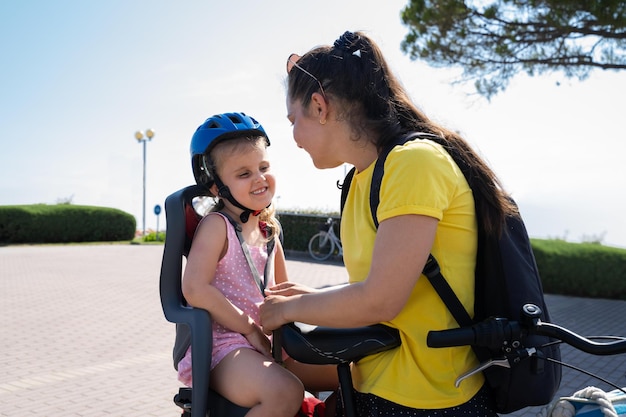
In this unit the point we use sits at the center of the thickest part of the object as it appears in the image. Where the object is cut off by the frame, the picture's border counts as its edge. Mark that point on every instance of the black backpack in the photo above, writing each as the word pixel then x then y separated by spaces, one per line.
pixel 506 278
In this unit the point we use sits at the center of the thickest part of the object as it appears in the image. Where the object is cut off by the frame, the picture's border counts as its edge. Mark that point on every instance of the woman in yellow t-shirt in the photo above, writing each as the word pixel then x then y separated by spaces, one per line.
pixel 345 106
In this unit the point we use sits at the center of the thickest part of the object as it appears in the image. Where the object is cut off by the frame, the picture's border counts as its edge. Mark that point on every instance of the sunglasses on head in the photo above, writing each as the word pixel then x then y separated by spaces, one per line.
pixel 292 61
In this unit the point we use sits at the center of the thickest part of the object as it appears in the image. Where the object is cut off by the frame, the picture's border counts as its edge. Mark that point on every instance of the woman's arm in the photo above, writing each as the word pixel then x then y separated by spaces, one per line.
pixel 401 249
pixel 280 265
pixel 283 285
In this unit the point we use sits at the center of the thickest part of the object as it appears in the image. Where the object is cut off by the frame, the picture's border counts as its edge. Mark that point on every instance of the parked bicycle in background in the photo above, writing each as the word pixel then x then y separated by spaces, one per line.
pixel 325 243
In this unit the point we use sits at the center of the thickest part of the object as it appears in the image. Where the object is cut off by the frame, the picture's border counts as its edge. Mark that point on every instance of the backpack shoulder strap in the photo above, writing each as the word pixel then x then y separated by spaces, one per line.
pixel 345 187
pixel 379 168
pixel 446 293
pixel 431 269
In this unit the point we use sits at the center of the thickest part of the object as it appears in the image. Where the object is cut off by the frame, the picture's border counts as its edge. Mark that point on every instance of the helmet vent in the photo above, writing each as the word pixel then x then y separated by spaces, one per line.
pixel 233 118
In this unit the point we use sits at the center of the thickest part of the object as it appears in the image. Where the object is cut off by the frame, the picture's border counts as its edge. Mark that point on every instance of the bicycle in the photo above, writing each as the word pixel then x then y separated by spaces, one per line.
pixel 324 345
pixel 325 243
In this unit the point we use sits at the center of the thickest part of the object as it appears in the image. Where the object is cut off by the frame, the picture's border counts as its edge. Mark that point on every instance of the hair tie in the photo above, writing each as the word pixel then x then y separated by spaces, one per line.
pixel 348 43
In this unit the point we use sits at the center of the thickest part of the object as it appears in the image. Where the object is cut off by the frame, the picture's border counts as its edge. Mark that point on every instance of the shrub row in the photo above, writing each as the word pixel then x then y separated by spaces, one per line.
pixel 298 229
pixel 578 269
pixel 566 268
pixel 64 223
pixel 581 269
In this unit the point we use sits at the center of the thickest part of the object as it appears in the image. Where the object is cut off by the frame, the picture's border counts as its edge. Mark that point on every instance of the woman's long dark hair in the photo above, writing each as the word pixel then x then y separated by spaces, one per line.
pixel 354 73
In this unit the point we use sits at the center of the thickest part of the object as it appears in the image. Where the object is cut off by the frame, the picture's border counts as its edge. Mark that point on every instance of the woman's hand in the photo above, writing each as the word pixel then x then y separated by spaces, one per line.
pixel 272 313
pixel 259 341
pixel 287 289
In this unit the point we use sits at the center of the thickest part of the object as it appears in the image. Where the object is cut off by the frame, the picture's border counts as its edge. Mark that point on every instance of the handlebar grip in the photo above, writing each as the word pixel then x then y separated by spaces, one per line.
pixel 451 337
pixel 492 333
pixel 495 333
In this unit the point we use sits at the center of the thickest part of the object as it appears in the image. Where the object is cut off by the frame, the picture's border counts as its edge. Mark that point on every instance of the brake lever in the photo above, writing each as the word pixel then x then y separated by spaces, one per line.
pixel 503 362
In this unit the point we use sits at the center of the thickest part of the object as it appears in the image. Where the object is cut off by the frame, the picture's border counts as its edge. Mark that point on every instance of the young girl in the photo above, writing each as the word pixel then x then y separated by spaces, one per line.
pixel 226 270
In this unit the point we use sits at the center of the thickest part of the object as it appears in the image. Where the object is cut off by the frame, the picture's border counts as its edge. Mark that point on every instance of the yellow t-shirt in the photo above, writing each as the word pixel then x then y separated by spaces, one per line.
pixel 420 178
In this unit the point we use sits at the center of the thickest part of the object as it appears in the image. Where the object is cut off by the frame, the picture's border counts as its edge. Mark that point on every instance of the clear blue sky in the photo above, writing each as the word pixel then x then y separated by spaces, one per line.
pixel 78 78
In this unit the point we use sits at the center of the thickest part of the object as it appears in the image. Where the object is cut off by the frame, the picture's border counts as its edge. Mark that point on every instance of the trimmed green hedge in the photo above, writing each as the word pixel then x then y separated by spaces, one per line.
pixel 64 223
pixel 578 269
pixel 298 229
pixel 566 268
pixel 581 269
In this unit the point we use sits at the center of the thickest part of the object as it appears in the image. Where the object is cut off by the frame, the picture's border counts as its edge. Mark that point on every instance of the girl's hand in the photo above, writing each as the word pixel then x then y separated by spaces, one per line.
pixel 259 341
pixel 287 289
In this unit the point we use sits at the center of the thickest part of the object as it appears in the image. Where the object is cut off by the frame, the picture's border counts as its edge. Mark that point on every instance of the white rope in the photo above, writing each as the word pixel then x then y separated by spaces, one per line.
pixel 600 397
pixel 564 408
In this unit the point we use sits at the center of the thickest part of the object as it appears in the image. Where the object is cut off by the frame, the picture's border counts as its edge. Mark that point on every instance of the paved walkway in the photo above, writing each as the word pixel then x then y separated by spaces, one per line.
pixel 83 333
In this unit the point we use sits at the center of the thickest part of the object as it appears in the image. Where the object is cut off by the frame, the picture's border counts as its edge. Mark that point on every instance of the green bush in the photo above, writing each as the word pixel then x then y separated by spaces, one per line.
pixel 154 237
pixel 581 269
pixel 64 223
pixel 578 269
pixel 299 228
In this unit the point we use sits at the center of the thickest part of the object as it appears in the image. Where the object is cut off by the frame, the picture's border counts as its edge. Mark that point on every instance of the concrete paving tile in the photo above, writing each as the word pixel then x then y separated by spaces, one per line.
pixel 83 333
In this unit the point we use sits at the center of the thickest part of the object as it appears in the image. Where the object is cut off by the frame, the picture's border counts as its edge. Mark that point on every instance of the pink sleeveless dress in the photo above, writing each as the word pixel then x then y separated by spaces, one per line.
pixel 235 280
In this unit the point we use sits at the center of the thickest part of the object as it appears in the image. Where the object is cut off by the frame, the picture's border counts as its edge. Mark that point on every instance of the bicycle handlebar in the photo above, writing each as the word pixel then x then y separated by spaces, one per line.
pixel 494 333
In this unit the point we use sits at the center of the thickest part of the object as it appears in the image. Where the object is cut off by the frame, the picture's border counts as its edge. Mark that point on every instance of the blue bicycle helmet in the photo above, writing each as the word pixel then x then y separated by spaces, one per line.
pixel 215 129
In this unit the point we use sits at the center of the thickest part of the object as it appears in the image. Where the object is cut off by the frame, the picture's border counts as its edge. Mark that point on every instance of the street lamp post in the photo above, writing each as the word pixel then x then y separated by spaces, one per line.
pixel 144 138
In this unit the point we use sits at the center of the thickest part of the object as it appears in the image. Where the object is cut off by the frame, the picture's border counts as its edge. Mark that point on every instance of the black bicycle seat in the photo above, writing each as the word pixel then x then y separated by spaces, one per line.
pixel 327 345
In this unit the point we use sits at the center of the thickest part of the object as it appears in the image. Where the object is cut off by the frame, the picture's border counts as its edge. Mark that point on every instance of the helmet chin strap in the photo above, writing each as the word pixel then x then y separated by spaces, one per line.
pixel 224 192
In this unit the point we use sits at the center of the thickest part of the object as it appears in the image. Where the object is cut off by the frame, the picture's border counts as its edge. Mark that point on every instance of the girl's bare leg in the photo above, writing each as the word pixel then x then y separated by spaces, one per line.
pixel 249 379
